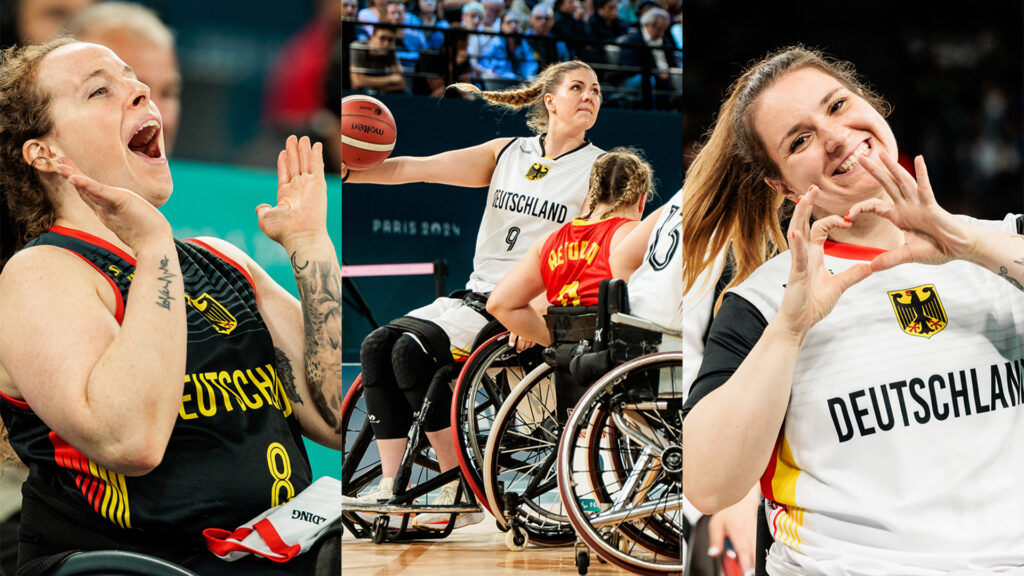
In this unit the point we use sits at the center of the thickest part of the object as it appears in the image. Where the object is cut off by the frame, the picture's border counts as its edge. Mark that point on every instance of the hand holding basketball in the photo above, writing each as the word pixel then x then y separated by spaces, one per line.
pixel 368 132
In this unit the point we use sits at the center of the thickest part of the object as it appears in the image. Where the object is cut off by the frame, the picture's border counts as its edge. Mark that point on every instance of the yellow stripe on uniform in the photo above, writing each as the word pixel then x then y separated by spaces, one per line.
pixel 784 489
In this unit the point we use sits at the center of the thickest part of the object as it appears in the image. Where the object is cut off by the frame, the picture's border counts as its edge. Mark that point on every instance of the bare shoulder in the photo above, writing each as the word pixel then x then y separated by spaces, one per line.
pixel 49 298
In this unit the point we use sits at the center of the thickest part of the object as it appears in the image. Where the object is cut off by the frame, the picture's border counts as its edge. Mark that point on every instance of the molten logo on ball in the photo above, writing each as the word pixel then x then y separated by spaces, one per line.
pixel 367 129
pixel 368 132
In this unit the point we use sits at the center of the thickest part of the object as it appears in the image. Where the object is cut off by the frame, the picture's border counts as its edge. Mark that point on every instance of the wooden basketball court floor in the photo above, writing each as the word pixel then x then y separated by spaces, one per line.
pixel 477 550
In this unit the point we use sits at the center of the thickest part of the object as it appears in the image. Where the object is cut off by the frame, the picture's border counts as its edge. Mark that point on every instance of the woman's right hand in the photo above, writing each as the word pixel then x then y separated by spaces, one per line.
pixel 812 290
pixel 135 221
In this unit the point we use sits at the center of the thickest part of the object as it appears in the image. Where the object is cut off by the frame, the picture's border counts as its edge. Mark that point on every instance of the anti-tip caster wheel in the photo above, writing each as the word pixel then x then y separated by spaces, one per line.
pixel 582 562
pixel 380 529
pixel 516 539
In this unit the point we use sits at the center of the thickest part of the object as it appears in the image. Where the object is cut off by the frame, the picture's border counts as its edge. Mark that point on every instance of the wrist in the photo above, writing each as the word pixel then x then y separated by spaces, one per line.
pixel 781 332
pixel 304 242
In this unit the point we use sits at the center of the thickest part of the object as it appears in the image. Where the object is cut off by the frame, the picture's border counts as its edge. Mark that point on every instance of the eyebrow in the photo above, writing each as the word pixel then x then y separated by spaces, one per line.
pixel 128 70
pixel 824 100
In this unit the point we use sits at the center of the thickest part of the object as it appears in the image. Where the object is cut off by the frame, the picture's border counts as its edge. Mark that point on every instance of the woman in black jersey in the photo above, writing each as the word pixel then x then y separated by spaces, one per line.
pixel 155 387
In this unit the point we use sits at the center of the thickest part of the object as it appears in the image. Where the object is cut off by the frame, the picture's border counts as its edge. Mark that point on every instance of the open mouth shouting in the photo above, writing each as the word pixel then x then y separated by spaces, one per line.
pixel 853 159
pixel 145 140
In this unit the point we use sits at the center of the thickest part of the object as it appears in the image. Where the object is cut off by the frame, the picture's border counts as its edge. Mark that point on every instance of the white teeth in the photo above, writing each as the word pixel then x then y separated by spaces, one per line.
pixel 852 159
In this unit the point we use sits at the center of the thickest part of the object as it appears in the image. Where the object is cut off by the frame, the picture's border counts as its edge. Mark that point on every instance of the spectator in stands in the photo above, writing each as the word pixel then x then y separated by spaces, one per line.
pixel 408 42
pixel 486 51
pixel 375 12
pixel 472 16
pixel 36 21
pixel 136 34
pixel 546 48
pixel 350 11
pixel 427 14
pixel 508 61
pixel 570 25
pixel 651 48
pixel 603 27
pixel 374 65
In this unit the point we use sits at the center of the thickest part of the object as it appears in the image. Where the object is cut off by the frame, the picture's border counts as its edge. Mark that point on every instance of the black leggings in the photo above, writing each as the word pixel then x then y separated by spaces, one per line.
pixel 396 373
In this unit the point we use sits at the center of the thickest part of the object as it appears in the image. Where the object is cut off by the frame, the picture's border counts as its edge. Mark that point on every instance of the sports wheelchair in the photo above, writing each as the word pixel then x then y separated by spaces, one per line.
pixel 616 458
pixel 481 383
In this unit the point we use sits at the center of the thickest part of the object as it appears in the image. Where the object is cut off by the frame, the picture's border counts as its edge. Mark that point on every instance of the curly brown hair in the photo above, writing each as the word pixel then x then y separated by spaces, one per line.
pixel 619 177
pixel 530 94
pixel 26 210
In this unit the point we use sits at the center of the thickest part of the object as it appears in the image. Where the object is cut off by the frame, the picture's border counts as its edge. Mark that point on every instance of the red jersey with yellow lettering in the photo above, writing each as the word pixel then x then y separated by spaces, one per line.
pixel 574 260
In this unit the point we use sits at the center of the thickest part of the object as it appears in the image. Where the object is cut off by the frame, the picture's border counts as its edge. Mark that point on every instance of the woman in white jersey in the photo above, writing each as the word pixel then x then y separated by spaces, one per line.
pixel 869 376
pixel 535 185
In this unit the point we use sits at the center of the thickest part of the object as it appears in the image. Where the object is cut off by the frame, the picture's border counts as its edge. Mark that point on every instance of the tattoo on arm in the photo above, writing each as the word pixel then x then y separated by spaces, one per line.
pixel 1004 273
pixel 286 376
pixel 296 266
pixel 164 297
pixel 319 285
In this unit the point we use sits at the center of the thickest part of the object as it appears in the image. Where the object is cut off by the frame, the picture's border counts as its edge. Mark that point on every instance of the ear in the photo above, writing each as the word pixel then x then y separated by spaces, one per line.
pixel 781 189
pixel 642 204
pixel 40 155
pixel 549 103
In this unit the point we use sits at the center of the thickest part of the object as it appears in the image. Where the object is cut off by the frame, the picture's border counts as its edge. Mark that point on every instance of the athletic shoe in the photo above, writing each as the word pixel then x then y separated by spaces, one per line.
pixel 382 493
pixel 379 494
pixel 439 521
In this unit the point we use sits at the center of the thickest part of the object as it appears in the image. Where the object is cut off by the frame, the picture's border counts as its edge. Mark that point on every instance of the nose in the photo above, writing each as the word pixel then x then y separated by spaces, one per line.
pixel 139 92
pixel 833 137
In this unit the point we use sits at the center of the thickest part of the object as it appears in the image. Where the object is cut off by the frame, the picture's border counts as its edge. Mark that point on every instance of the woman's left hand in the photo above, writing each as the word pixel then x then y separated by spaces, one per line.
pixel 932 235
pixel 301 209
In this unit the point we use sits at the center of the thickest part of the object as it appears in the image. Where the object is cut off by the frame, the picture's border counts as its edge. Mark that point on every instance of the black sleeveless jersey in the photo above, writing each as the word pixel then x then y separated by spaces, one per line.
pixel 235 449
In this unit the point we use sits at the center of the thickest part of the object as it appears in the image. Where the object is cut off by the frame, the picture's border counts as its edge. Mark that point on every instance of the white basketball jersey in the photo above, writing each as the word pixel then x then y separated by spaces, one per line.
pixel 656 287
pixel 902 450
pixel 530 197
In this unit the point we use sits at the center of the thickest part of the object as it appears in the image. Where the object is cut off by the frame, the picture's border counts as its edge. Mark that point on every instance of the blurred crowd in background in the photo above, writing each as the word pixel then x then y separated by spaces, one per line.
pixel 421 46
pixel 231 80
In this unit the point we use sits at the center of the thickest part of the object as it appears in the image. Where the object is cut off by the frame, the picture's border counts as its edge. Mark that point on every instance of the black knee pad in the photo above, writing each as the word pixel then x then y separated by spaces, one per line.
pixel 413 367
pixel 375 355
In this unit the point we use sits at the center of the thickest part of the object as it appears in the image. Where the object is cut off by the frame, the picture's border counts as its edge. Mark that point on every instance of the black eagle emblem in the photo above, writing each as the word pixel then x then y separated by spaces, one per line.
pixel 215 313
pixel 919 310
pixel 537 171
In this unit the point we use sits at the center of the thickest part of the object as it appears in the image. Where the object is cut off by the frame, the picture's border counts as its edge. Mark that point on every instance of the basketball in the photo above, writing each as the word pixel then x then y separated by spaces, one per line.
pixel 368 132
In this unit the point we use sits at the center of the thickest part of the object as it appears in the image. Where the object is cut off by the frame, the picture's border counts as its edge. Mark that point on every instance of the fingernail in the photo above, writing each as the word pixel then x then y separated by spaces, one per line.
pixel 713 551
pixel 847 216
pixel 847 221
pixel 798 199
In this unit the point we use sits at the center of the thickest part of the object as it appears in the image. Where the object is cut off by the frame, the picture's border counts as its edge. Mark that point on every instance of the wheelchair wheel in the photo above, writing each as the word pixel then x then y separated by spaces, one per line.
pixel 620 470
pixel 360 461
pixel 485 381
pixel 519 461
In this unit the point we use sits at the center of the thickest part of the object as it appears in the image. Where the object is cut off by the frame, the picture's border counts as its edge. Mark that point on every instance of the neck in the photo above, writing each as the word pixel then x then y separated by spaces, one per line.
pixel 870 230
pixel 559 141
pixel 73 213
pixel 603 211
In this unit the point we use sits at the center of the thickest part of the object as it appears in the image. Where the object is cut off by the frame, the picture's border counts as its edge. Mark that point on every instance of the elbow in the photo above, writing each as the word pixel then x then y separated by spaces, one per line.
pixel 496 308
pixel 135 457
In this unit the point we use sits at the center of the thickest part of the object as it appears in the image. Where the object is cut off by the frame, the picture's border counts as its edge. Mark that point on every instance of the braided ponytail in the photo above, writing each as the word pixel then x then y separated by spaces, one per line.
pixel 619 177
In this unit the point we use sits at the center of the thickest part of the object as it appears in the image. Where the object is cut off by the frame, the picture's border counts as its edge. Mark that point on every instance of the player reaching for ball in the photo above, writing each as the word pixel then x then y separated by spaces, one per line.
pixel 535 185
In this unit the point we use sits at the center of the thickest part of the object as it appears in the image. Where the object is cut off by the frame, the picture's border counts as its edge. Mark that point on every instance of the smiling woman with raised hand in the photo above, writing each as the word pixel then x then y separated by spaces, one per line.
pixel 155 387
pixel 868 376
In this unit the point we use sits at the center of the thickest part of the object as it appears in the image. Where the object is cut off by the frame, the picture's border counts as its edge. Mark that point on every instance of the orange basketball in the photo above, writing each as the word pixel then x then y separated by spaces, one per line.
pixel 368 131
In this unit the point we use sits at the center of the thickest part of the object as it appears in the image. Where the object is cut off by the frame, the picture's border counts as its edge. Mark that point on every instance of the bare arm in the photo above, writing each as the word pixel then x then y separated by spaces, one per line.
pixel 111 391
pixel 389 83
pixel 629 254
pixel 470 167
pixel 307 331
pixel 729 435
pixel 510 300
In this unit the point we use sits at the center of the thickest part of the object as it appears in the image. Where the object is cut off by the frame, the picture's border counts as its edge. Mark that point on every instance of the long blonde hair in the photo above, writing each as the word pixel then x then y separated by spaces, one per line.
pixel 531 94
pixel 726 203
